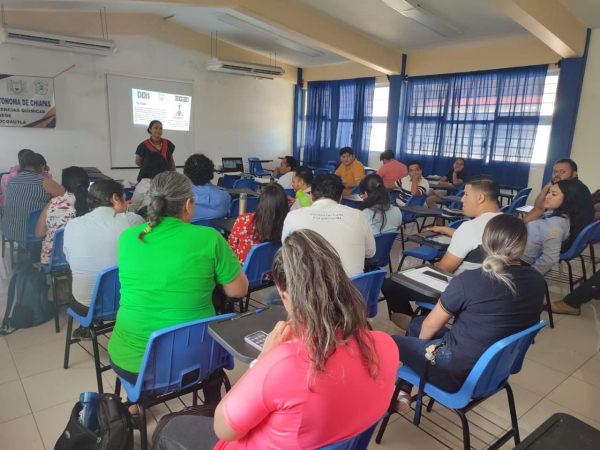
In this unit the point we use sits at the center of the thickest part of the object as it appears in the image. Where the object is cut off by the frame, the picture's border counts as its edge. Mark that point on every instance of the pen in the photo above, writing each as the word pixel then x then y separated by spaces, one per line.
pixel 256 311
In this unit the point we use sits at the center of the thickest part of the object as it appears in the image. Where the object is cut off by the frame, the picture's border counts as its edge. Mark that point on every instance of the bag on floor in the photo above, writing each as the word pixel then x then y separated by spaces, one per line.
pixel 200 410
pixel 115 428
pixel 32 307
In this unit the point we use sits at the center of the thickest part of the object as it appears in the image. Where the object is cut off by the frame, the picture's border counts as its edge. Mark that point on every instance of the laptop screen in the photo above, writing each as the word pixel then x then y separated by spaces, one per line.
pixel 233 165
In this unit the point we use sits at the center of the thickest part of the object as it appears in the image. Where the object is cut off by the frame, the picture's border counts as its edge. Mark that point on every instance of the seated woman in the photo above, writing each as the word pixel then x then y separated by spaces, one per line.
pixel 455 177
pixel 61 209
pixel 168 270
pixel 376 205
pixel 557 228
pixel 211 203
pixel 264 225
pixel 488 304
pixel 153 164
pixel 325 362
pixel 95 234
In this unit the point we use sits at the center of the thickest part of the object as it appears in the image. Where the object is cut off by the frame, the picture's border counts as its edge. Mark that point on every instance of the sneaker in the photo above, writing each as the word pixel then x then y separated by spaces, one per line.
pixel 560 307
pixel 82 333
pixel 402 405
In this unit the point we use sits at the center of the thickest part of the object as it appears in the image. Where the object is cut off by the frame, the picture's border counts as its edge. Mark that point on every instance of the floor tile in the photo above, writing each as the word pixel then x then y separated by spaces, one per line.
pixel 13 401
pixel 404 434
pixel 557 357
pixel 543 410
pixel 498 404
pixel 8 371
pixel 41 334
pixel 21 434
pixel 52 421
pixel 3 345
pixel 239 369
pixel 579 396
pixel 589 372
pixel 581 336
pixel 538 378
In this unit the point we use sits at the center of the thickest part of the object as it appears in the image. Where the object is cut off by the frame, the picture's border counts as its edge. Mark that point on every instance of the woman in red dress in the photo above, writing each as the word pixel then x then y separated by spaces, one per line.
pixel 155 144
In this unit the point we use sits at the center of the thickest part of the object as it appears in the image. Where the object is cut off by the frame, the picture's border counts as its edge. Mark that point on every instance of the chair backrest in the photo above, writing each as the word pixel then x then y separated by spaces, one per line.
pixel 245 183
pixel 259 261
pixel 457 205
pixel 129 192
pixel 519 200
pixel 501 360
pixel 413 201
pixel 251 205
pixel 106 298
pixel 369 285
pixel 359 442
pixel 255 166
pixel 581 241
pixel 228 181
pixel 179 357
pixel 32 220
pixel 290 193
pixel 383 247
pixel 203 223
pixel 320 172
pixel 457 223
pixel 58 259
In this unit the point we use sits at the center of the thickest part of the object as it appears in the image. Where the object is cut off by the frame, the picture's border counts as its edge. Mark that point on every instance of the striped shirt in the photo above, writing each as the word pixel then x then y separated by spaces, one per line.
pixel 24 193
pixel 405 187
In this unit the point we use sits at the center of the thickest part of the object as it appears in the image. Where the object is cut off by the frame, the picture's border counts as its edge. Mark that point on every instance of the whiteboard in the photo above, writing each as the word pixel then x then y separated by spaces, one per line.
pixel 133 101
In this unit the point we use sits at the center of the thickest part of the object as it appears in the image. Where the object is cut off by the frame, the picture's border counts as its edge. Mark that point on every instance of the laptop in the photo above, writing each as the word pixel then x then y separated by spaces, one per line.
pixel 232 165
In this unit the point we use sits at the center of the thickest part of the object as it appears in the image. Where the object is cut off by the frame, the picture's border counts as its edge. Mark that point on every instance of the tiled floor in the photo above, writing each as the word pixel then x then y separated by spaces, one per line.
pixel 561 374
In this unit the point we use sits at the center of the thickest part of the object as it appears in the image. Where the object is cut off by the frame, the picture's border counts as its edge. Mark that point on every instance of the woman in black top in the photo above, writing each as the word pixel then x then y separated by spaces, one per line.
pixel 157 144
pixel 455 177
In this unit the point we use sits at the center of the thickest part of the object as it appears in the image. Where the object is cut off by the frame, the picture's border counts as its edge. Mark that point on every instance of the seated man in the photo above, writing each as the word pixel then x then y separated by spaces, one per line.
pixel 211 203
pixel 411 185
pixel 564 169
pixel 571 304
pixel 351 171
pixel 286 169
pixel 464 253
pixel 301 181
pixel 391 170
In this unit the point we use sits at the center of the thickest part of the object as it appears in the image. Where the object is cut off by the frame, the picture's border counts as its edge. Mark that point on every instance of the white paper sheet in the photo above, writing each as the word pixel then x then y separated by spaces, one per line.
pixel 417 275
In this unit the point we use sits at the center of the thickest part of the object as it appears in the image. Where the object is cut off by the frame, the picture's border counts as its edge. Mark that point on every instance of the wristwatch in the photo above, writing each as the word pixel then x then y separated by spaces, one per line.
pixel 252 363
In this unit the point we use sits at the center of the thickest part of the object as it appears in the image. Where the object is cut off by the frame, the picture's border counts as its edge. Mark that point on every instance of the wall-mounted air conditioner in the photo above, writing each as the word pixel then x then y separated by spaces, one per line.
pixel 244 68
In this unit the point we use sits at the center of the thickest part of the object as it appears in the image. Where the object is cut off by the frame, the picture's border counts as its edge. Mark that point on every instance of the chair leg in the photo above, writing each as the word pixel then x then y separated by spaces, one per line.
pixel 583 272
pixel 550 317
pixel 592 255
pixel 513 413
pixel 465 429
pixel 143 428
pixel 570 275
pixel 247 302
pixel 391 411
pixel 97 359
pixel 55 295
pixel 402 235
pixel 401 262
pixel 430 404
pixel 195 398
pixel 68 343
pixel 118 387
pixel 3 246
pixel 390 263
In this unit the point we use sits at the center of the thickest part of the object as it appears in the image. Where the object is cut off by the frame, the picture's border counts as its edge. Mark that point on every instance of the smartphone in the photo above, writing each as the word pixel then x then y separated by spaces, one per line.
pixel 437 276
pixel 257 339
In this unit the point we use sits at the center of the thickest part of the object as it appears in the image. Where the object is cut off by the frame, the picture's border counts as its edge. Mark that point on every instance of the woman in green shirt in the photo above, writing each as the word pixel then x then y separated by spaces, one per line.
pixel 168 270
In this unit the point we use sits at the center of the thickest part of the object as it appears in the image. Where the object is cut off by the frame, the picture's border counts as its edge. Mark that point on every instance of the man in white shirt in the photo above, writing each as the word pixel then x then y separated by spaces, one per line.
pixel 301 181
pixel 286 169
pixel 412 185
pixel 345 228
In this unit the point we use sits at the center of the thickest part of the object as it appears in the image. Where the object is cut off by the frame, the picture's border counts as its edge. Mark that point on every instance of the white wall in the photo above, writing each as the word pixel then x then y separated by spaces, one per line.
pixel 586 143
pixel 233 116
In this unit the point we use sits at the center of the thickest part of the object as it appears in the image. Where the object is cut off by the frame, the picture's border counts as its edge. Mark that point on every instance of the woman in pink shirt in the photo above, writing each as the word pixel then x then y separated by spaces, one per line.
pixel 323 376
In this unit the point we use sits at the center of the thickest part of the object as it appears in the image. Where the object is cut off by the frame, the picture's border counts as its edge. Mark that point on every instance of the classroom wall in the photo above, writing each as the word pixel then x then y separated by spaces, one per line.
pixel 233 115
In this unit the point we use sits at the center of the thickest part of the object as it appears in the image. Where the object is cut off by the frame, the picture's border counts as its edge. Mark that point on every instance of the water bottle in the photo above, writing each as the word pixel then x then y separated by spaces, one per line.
pixel 243 202
pixel 88 416
pixel 303 199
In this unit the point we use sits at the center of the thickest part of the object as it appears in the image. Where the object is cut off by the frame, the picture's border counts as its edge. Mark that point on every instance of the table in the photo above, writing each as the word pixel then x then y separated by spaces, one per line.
pixel 415 285
pixel 335 164
pixel 356 198
pixel 369 169
pixel 251 163
pixel 231 333
pixel 504 195
pixel 441 187
pixel 434 177
pixel 562 431
pixel 525 209
pixel 452 199
pixel 262 181
pixel 422 241
pixel 511 188
pixel 235 193
pixel 225 224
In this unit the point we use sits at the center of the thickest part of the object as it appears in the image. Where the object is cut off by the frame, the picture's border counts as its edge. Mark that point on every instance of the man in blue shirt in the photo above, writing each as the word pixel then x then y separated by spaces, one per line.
pixel 211 203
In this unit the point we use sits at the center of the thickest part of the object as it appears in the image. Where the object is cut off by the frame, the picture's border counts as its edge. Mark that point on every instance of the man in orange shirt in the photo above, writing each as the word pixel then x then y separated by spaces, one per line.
pixel 351 171
pixel 392 170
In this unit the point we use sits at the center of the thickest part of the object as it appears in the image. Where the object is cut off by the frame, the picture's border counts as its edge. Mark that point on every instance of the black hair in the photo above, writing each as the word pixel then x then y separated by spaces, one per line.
pixel 387 154
pixel 461 158
pixel 199 168
pixel 270 214
pixel 345 150
pixel 30 159
pixel 21 155
pixel 413 162
pixel 568 161
pixel 571 208
pixel 378 199
pixel 102 192
pixel 291 162
pixel 152 124
pixel 486 185
pixel 327 185
pixel 153 164
pixel 77 181
pixel 305 174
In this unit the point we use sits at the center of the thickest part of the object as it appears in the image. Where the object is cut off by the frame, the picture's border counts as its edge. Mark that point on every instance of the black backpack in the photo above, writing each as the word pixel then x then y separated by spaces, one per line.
pixel 32 307
pixel 116 428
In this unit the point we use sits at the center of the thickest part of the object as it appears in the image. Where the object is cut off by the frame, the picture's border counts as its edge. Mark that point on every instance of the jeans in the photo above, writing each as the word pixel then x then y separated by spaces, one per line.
pixel 412 354
pixel 584 293
pixel 130 377
pixel 398 297
pixel 187 433
pixel 272 298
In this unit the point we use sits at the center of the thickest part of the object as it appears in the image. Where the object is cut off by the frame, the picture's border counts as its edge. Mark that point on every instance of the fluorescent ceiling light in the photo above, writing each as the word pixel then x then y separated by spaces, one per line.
pixel 247 26
pixel 414 11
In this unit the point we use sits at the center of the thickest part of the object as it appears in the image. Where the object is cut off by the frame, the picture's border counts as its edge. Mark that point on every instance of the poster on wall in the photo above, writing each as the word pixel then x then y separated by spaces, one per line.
pixel 27 102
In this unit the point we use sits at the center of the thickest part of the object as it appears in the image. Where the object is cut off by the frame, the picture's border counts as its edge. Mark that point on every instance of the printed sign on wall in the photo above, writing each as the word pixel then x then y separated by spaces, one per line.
pixel 27 102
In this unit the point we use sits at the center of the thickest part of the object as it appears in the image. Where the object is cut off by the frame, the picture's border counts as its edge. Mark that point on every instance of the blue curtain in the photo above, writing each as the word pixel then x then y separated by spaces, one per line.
pixel 298 112
pixel 339 114
pixel 490 118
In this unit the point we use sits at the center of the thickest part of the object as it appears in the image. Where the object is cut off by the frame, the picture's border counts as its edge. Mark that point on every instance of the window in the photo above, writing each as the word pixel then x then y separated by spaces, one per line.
pixel 542 138
pixel 380 112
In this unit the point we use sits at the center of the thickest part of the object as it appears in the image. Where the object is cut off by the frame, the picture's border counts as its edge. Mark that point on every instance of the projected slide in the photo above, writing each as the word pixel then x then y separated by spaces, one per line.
pixel 174 111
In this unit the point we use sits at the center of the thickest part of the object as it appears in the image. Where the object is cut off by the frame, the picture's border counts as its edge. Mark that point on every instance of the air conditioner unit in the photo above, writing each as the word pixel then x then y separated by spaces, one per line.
pixel 65 42
pixel 244 68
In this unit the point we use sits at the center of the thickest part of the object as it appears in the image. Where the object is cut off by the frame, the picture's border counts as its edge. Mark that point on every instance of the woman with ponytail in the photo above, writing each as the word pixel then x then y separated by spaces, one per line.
pixel 61 209
pixel 488 304
pixel 376 205
pixel 168 270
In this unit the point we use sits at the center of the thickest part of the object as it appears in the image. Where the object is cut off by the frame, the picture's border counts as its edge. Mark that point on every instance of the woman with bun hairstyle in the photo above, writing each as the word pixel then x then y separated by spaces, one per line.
pixel 155 143
pixel 499 299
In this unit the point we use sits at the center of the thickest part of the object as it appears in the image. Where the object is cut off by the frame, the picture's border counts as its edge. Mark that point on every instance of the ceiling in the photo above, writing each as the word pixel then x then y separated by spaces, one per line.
pixel 587 11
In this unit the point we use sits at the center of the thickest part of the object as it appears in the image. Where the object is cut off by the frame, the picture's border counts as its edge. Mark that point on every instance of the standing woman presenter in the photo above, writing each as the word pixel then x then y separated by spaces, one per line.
pixel 155 143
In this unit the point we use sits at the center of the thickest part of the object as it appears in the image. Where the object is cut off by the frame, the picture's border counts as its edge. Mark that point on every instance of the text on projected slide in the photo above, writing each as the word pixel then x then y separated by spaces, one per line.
pixel 174 111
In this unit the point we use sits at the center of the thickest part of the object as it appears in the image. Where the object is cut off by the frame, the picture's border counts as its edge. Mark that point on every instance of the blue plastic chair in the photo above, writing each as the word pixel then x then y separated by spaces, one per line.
pixel 320 172
pixel 247 183
pixel 383 247
pixel 290 193
pixel 411 218
pixel 519 200
pixel 594 239
pixel 176 362
pixel 359 442
pixel 369 285
pixel 228 181
pixel 256 167
pixel 30 240
pixel 129 192
pixel 203 223
pixel 488 377
pixel 58 267
pixel 251 205
pixel 100 319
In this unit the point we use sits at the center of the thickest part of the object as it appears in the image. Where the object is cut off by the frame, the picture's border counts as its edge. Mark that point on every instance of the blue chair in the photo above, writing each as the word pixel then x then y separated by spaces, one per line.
pixel 129 192
pixel 58 268
pixel 411 218
pixel 359 442
pixel 256 167
pixel 369 285
pixel 488 377
pixel 203 223
pixel 320 172
pixel 348 202
pixel 290 193
pixel 247 183
pixel 228 181
pixel 100 319
pixel 234 208
pixel 31 244
pixel 383 247
pixel 519 200
pixel 177 361
pixel 594 239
